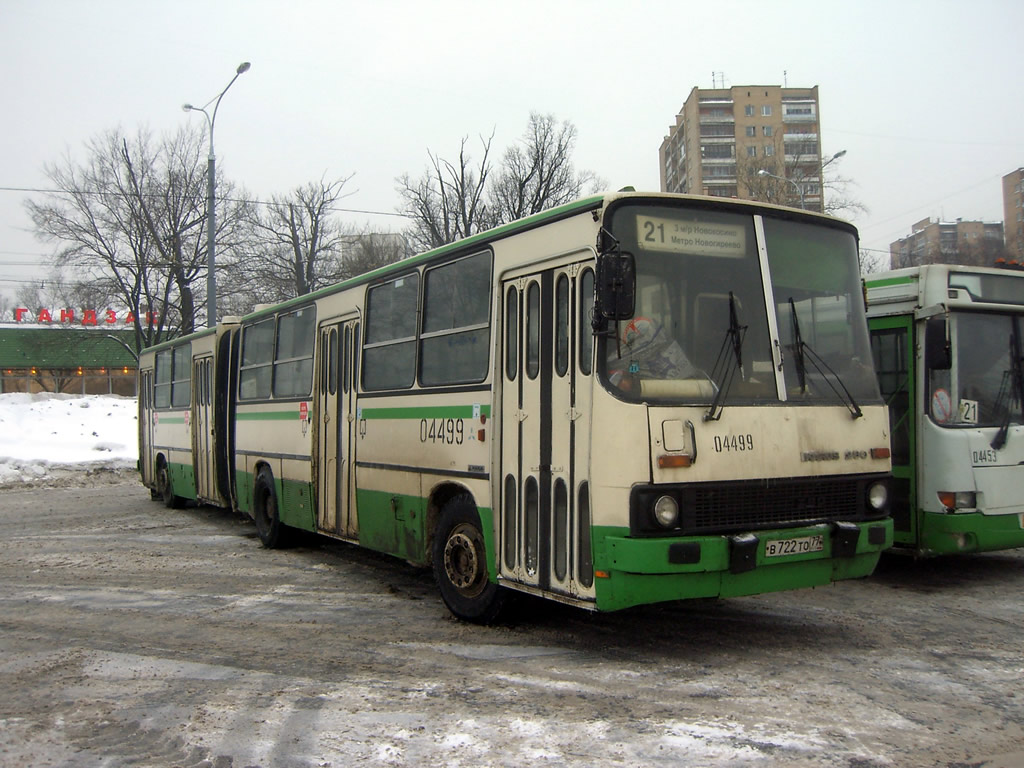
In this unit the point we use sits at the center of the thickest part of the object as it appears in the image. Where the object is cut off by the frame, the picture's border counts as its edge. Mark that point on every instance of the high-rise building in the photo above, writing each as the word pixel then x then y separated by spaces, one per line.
pixel 1013 213
pixel 755 142
pixel 949 242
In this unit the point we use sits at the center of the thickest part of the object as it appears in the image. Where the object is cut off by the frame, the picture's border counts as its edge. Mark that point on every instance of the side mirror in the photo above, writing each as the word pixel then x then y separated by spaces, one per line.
pixel 616 285
pixel 937 355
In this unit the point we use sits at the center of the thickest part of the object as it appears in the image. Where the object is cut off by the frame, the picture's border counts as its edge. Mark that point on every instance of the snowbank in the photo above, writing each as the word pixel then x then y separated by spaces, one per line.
pixel 53 438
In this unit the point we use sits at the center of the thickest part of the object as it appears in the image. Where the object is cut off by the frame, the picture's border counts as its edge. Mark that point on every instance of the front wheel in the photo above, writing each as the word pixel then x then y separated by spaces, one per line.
pixel 460 564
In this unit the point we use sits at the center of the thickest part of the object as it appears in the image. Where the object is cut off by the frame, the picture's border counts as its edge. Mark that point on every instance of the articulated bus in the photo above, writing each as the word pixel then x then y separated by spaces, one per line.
pixel 627 399
pixel 947 350
pixel 183 394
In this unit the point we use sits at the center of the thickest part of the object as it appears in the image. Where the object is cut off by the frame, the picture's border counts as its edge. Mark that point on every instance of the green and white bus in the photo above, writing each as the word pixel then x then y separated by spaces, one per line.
pixel 947 349
pixel 628 399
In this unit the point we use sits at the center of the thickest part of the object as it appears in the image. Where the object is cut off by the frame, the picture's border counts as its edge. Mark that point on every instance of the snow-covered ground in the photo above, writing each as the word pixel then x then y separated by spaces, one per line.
pixel 47 437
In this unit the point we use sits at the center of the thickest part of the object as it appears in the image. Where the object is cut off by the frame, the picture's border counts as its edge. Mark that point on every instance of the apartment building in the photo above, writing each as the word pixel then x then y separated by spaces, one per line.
pixel 978 243
pixel 1013 214
pixel 754 142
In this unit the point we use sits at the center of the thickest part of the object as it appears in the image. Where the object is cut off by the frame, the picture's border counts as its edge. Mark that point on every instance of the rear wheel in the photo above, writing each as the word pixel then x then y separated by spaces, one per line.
pixel 460 564
pixel 165 488
pixel 272 532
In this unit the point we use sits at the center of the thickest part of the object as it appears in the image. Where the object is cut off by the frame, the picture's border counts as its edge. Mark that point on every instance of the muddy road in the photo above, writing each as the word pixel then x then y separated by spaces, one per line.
pixel 133 635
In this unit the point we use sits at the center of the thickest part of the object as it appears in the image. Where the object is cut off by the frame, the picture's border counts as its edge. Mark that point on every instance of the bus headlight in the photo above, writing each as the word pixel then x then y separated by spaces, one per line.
pixel 666 511
pixel 878 496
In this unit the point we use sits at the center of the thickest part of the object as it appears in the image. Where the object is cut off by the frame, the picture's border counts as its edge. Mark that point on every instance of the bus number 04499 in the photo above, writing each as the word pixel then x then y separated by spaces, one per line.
pixel 447 431
pixel 730 443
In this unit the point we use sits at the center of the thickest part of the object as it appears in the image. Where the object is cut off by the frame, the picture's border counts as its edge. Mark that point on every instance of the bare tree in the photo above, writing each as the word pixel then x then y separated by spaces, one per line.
pixel 130 221
pixel 447 202
pixel 871 261
pixel 293 247
pixel 370 250
pixel 57 291
pixel 537 173
pixel 791 174
pixel 835 190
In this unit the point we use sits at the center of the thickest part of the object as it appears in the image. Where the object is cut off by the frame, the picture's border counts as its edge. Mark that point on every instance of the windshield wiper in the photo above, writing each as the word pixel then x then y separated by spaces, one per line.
pixel 726 366
pixel 1014 378
pixel 803 352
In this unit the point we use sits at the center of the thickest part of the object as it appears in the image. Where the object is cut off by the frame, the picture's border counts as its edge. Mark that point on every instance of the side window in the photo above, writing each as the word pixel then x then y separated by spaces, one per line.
pixel 456 322
pixel 257 359
pixel 293 362
pixel 389 353
pixel 181 381
pixel 162 384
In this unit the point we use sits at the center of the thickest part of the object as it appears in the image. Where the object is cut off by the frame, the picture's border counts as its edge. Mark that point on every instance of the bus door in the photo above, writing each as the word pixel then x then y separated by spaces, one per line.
pixel 146 428
pixel 545 414
pixel 203 454
pixel 893 351
pixel 335 414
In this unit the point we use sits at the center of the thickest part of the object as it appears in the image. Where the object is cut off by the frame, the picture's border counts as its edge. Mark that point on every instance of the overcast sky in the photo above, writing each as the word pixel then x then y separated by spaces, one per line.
pixel 925 97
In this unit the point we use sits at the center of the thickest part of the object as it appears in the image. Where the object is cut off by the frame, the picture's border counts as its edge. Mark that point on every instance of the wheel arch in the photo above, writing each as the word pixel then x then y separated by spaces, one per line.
pixel 440 495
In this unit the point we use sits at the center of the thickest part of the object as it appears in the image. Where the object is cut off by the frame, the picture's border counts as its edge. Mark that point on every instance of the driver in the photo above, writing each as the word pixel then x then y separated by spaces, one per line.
pixel 648 352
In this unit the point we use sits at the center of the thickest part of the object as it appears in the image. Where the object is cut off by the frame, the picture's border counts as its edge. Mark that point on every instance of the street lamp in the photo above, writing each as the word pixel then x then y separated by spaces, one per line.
pixel 211 199
pixel 836 156
pixel 799 189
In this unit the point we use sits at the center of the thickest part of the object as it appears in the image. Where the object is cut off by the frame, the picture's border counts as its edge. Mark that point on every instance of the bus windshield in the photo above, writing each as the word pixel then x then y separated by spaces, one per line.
pixel 701 322
pixel 981 379
pixel 820 309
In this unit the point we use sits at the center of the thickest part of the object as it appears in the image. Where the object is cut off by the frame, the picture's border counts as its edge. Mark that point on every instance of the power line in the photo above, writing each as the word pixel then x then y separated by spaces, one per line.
pixel 919 139
pixel 91 193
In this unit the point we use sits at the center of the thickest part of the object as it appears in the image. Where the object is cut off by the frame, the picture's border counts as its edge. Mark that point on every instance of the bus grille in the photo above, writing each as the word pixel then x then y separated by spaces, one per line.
pixel 763 504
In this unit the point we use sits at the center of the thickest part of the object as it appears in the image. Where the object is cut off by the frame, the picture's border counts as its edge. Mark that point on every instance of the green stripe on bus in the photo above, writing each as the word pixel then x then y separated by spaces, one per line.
pixel 172 419
pixel 425 412
pixel 891 281
pixel 268 416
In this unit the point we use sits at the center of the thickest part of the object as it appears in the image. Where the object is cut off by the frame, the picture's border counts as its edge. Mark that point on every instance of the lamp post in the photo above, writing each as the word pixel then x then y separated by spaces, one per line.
pixel 799 189
pixel 211 200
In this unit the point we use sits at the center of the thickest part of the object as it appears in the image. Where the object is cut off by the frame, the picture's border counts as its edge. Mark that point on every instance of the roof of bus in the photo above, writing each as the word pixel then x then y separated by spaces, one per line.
pixel 909 274
pixel 544 217
pixel 594 202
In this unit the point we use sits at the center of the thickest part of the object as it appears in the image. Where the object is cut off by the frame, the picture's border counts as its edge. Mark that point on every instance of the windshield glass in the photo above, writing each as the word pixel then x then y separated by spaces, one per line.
pixel 977 390
pixel 700 308
pixel 814 272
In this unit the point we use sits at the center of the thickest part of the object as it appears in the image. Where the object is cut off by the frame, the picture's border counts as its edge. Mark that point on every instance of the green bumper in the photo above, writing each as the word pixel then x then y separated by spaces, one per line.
pixel 635 571
pixel 947 534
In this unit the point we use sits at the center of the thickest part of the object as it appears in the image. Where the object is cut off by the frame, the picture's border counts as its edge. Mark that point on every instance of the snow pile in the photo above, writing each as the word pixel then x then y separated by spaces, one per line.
pixel 55 438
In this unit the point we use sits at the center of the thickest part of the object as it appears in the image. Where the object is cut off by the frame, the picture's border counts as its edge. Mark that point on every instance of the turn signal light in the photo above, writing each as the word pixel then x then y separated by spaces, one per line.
pixel 954 500
pixel 880 453
pixel 674 460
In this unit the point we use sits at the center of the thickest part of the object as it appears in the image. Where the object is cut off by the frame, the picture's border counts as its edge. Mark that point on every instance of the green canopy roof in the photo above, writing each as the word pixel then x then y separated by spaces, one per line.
pixel 50 348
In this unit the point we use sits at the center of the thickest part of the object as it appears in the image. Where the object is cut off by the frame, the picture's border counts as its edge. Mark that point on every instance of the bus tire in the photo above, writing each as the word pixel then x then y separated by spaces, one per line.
pixel 460 564
pixel 272 532
pixel 165 488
